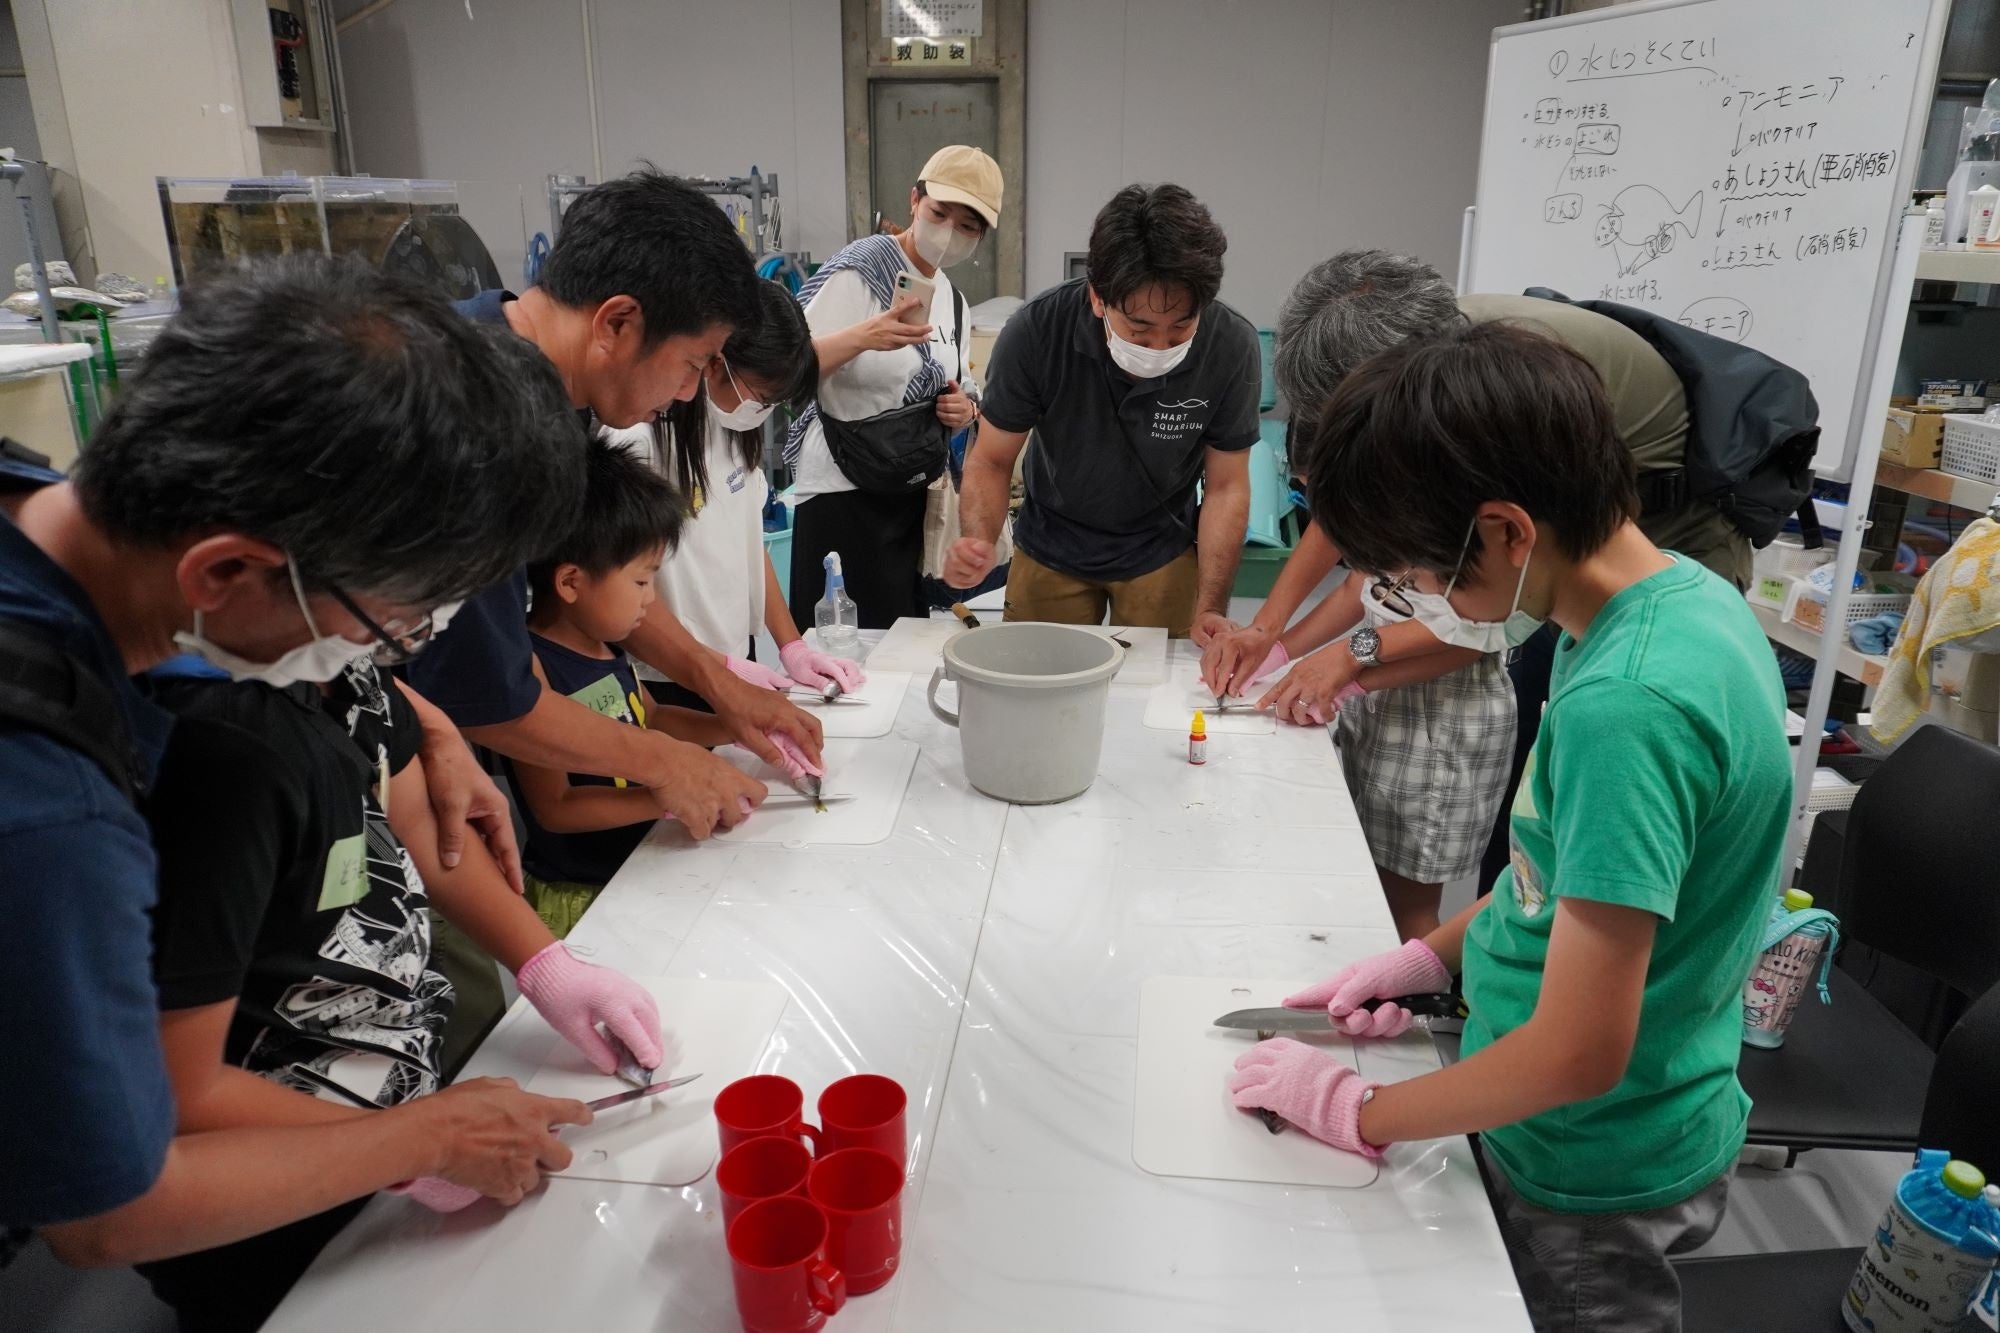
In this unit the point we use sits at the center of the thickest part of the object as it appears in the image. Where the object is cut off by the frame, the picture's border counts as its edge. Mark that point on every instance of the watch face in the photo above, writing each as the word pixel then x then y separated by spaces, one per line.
pixel 1365 644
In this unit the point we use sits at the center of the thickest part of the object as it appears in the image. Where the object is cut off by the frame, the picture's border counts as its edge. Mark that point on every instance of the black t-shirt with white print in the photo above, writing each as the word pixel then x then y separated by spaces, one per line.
pixel 283 888
pixel 1112 469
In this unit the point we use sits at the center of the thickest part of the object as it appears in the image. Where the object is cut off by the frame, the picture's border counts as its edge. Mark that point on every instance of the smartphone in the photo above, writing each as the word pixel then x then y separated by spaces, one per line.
pixel 910 284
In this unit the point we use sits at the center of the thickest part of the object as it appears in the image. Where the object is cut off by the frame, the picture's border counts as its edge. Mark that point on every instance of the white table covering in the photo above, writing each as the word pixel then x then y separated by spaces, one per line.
pixel 989 958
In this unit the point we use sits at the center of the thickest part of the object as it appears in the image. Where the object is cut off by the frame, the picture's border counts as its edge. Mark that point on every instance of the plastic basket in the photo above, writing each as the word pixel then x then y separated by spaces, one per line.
pixel 1803 607
pixel 1774 567
pixel 1831 796
pixel 1971 448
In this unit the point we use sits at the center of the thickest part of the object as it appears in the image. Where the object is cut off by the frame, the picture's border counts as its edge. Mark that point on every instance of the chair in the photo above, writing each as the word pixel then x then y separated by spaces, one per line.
pixel 1800 1292
pixel 1916 884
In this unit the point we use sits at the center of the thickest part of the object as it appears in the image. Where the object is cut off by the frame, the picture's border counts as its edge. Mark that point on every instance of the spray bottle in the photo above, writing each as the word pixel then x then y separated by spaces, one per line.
pixel 838 623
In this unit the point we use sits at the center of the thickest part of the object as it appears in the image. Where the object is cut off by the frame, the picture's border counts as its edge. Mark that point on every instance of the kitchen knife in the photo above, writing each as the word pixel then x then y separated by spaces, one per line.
pixel 620 1098
pixel 1432 1010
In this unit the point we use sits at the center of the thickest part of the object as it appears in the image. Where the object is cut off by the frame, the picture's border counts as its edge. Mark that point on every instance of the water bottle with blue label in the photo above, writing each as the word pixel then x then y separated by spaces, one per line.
pixel 1929 1262
pixel 1797 936
pixel 836 619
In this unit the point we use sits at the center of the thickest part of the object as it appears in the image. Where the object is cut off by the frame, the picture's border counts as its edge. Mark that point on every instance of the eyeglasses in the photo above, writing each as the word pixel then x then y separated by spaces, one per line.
pixel 393 645
pixel 1388 594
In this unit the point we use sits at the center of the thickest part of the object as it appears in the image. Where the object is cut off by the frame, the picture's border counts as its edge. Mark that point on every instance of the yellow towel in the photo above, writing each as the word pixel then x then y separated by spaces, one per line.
pixel 1958 598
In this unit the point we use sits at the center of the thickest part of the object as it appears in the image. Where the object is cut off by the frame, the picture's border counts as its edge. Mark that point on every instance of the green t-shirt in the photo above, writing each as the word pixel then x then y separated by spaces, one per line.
pixel 1661 781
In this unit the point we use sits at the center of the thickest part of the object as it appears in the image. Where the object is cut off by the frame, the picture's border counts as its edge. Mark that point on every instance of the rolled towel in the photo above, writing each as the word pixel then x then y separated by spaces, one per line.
pixel 1877 634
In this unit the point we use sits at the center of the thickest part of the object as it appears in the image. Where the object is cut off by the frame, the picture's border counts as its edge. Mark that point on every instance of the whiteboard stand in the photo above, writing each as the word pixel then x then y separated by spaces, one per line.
pixel 1861 484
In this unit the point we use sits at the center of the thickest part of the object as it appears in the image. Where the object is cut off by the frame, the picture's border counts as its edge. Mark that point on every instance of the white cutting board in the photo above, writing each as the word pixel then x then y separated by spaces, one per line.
pixel 872 774
pixel 918 646
pixel 1184 1123
pixel 720 1029
pixel 1171 705
pixel 881 697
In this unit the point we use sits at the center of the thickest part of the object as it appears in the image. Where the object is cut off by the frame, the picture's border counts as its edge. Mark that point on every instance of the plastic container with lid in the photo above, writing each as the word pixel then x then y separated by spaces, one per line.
pixel 1934 1252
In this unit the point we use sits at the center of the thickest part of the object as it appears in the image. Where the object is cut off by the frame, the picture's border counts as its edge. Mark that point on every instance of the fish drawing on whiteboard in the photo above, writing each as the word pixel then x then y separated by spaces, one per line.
pixel 1639 223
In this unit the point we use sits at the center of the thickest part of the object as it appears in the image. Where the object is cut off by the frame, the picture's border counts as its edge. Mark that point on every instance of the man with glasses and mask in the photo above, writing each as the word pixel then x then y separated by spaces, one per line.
pixel 299 428
pixel 294 939
pixel 1138 386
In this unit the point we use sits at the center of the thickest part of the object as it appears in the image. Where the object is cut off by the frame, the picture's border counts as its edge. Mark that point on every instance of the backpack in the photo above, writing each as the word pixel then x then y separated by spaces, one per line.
pixel 1753 426
pixel 43 688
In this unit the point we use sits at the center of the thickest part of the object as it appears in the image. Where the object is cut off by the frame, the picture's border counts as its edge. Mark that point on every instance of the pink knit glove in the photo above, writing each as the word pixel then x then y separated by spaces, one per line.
pixel 1308 1088
pixel 1275 660
pixel 1414 969
pixel 575 996
pixel 797 766
pixel 814 669
pixel 761 676
pixel 1323 712
pixel 438 1194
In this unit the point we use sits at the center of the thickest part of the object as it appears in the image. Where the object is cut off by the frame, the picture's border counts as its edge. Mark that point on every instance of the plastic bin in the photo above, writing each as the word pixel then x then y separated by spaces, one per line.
pixel 1803 607
pixel 778 545
pixel 1773 568
pixel 1971 448
pixel 1270 487
pixel 1267 342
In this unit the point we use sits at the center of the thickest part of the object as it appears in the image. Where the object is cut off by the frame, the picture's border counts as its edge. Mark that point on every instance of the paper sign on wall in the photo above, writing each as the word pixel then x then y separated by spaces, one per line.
pixel 920 20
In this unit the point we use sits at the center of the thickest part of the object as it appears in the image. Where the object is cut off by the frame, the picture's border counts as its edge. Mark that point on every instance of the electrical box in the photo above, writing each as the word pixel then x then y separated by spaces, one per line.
pixel 281 46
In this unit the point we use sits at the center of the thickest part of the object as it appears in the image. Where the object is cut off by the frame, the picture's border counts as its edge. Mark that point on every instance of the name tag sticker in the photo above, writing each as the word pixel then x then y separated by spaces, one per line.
pixel 346 879
pixel 604 695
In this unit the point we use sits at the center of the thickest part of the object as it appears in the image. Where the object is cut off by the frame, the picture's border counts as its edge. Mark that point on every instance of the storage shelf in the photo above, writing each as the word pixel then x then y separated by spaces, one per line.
pixel 1858 666
pixel 1959 265
pixel 1932 484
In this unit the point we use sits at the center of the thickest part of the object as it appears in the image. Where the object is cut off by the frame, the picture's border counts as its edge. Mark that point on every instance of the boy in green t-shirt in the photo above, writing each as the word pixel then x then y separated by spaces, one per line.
pixel 1477 476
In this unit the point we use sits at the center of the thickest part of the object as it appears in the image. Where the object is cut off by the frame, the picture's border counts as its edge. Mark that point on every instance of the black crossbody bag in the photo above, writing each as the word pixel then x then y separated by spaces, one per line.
pixel 898 451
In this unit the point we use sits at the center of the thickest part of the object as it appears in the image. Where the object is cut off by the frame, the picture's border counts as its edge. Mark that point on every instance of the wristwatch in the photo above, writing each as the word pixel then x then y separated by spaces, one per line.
pixel 1366 647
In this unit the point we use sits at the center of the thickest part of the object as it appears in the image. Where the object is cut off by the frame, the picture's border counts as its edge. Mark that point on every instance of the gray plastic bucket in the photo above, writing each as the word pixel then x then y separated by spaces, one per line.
pixel 1030 713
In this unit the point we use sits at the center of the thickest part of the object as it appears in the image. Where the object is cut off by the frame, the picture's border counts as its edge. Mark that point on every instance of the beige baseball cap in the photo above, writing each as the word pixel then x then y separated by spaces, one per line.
pixel 960 174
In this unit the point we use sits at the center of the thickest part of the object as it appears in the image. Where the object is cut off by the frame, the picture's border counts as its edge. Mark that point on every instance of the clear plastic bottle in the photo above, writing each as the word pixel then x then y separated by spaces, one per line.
pixel 838 623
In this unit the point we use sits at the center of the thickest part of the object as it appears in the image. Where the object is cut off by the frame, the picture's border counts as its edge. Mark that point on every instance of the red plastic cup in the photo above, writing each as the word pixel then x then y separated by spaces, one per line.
pixel 763 1105
pixel 761 1169
pixel 865 1111
pixel 861 1193
pixel 777 1256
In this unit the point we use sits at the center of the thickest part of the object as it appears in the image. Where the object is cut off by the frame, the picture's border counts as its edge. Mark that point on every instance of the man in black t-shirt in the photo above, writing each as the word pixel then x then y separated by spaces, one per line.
pixel 1139 386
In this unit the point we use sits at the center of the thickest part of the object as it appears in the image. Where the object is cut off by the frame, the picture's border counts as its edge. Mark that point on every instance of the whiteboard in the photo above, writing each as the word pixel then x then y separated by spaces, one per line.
pixel 1740 165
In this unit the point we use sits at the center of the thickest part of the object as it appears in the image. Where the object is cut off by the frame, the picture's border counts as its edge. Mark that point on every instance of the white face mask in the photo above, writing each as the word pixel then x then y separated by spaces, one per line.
pixel 1436 613
pixel 1144 363
pixel 941 244
pixel 748 414
pixel 318 661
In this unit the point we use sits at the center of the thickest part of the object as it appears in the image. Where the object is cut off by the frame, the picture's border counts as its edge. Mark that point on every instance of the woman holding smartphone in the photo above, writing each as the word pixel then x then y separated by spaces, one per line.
pixel 888 328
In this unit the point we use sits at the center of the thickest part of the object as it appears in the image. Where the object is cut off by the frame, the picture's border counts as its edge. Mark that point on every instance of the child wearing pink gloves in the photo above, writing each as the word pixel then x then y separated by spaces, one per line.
pixel 1479 471
pixel 590 594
